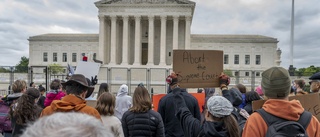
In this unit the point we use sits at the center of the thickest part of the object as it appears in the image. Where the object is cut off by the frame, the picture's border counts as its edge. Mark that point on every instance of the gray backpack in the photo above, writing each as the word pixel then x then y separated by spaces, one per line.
pixel 278 127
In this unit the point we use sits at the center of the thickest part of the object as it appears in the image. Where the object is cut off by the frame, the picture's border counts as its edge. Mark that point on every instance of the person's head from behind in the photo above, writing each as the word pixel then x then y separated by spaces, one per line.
pixel 77 85
pixel 252 96
pixel 103 88
pixel 105 104
pixel 55 84
pixel 32 85
pixel 42 89
pixel 71 124
pixel 241 88
pixel 219 108
pixel 19 86
pixel 26 110
pixel 141 101
pixel 276 83
pixel 299 83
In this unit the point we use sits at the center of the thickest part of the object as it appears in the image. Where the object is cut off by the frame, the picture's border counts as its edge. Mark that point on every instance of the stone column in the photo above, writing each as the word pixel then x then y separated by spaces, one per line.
pixel 125 43
pixel 102 43
pixel 163 40
pixel 151 40
pixel 113 53
pixel 188 27
pixel 175 32
pixel 137 43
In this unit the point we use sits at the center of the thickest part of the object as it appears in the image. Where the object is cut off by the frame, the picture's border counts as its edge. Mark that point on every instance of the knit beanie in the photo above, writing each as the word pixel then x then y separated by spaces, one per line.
pixel 276 82
pixel 219 106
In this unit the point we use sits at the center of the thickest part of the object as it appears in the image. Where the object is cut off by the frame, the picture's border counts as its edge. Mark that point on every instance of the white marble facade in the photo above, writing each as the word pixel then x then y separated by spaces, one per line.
pixel 143 33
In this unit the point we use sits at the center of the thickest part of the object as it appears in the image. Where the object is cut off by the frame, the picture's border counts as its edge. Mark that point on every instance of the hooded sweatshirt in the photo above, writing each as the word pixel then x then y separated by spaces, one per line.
pixel 123 101
pixel 53 95
pixel 70 103
pixel 290 110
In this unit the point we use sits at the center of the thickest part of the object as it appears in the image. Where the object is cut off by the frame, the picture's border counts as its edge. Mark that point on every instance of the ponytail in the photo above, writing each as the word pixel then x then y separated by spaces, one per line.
pixel 231 126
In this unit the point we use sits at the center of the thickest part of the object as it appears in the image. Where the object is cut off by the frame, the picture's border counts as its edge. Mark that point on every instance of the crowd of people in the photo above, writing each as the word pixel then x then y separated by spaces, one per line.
pixel 63 109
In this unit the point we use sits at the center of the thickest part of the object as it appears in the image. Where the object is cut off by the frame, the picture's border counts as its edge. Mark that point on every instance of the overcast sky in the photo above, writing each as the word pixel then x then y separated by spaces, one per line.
pixel 20 19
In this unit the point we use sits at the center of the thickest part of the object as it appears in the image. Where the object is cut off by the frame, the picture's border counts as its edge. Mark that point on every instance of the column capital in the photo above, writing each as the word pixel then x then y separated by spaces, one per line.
pixel 151 17
pixel 125 17
pixel 113 17
pixel 188 18
pixel 175 17
pixel 101 17
pixel 163 17
pixel 137 17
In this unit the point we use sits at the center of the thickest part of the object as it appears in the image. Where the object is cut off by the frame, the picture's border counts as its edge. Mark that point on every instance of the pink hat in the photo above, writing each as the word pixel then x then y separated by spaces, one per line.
pixel 259 90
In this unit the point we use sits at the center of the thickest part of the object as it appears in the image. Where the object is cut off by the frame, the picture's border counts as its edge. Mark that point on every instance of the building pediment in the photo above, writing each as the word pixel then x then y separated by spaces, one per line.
pixel 144 1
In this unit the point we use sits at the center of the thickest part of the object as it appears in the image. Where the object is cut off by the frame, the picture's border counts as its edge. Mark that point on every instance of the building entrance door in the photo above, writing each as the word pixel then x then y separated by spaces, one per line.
pixel 144 55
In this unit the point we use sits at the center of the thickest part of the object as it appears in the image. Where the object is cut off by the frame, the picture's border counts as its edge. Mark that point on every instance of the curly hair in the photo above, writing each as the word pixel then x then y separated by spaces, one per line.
pixel 106 104
pixel 26 110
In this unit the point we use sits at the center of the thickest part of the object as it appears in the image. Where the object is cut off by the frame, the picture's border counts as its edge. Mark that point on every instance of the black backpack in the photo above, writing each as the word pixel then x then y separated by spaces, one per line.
pixel 241 120
pixel 278 127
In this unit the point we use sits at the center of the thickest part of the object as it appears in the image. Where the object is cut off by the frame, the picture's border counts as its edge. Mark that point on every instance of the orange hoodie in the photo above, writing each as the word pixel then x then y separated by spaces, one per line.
pixel 70 103
pixel 290 110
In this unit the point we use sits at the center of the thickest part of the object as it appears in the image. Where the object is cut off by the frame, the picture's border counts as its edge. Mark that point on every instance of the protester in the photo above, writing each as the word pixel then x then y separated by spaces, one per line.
pixel 25 111
pixel 166 103
pixel 243 91
pixel 103 88
pixel 19 87
pixel 76 88
pixel 276 85
pixel 299 85
pixel 123 101
pixel 42 97
pixel 235 97
pixel 105 106
pixel 70 124
pixel 315 83
pixel 219 120
pixel 292 91
pixel 140 120
pixel 55 92
pixel 209 92
pixel 251 96
pixel 32 85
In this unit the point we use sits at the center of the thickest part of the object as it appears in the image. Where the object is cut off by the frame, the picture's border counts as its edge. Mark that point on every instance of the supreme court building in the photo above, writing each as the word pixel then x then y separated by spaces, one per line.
pixel 143 33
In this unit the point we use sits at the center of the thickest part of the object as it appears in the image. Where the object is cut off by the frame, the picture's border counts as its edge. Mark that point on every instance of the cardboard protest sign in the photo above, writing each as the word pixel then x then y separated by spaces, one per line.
pixel 199 96
pixel 198 68
pixel 310 102
pixel 88 69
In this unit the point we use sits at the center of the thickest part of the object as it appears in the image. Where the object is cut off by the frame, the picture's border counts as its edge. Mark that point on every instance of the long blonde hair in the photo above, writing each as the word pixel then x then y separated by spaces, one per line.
pixel 141 101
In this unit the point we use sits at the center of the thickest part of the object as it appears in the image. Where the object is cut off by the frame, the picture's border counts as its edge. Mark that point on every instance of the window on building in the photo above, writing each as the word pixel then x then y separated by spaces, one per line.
pixel 94 55
pixel 247 59
pixel 247 74
pixel 258 59
pixel 258 74
pixel 55 57
pixel 74 57
pixel 64 57
pixel 236 59
pixel 45 57
pixel 226 59
pixel 236 73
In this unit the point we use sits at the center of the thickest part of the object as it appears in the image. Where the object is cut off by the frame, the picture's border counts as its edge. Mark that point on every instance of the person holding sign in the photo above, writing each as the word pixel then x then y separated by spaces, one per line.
pixel 166 103
pixel 276 84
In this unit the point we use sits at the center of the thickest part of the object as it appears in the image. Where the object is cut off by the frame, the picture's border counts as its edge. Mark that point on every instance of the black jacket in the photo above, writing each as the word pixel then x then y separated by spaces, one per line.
pixel 167 111
pixel 248 108
pixel 148 124
pixel 41 101
pixel 192 127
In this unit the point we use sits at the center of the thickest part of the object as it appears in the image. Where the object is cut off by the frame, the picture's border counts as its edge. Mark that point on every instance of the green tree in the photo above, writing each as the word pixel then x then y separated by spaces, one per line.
pixel 22 66
pixel 4 70
pixel 55 69
pixel 228 72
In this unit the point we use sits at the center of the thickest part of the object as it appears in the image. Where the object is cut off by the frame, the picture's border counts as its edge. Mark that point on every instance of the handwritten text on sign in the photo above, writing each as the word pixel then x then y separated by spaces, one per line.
pixel 198 68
